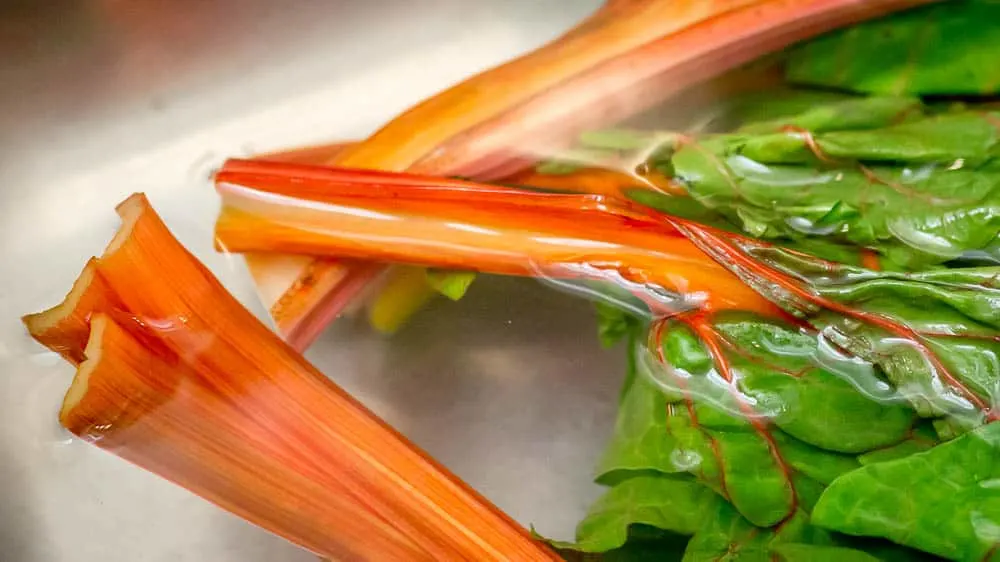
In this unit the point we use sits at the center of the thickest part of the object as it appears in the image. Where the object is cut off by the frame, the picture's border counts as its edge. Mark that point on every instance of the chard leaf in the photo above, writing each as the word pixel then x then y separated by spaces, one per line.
pixel 684 207
pixel 613 323
pixel 971 136
pixel 777 366
pixel 619 313
pixel 776 106
pixel 667 503
pixel 727 536
pixel 645 544
pixel 922 438
pixel 692 209
pixel 676 417
pixel 848 114
pixel 922 193
pixel 934 334
pixel 640 441
pixel 740 465
pixel 798 552
pixel 945 501
pixel 950 48
pixel 882 549
pixel 452 284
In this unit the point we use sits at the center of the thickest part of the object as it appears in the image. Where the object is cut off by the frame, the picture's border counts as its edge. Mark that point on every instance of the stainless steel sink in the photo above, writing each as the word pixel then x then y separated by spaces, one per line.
pixel 101 98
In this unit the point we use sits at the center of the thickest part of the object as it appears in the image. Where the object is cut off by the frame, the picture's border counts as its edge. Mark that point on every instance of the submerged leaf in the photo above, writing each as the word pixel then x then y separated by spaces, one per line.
pixel 452 284
pixel 729 537
pixel 970 136
pixel 933 334
pixel 951 48
pixel 798 552
pixel 778 370
pixel 922 438
pixel 945 501
pixel 841 115
pixel 668 503
pixel 921 193
pixel 645 544
pixel 679 417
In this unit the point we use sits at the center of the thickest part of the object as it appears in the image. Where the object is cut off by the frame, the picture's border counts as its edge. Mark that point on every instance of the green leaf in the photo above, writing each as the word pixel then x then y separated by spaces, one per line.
pixel 815 463
pixel 669 503
pixel 692 209
pixel 729 537
pixel 645 544
pixel 684 207
pixel 676 417
pixel 739 464
pixel 797 552
pixel 619 313
pixel 883 549
pixel 933 335
pixel 936 374
pixel 778 371
pixel 945 501
pixel 452 284
pixel 928 193
pixel 726 536
pixel 847 114
pixel 951 48
pixel 640 441
pixel 776 105
pixel 969 136
pixel 921 439
pixel 613 323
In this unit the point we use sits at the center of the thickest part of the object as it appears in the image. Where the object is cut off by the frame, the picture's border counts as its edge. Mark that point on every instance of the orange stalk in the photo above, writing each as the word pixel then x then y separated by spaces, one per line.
pixel 616 30
pixel 64 328
pixel 628 56
pixel 464 225
pixel 180 429
pixel 182 380
pixel 307 155
pixel 599 181
pixel 623 86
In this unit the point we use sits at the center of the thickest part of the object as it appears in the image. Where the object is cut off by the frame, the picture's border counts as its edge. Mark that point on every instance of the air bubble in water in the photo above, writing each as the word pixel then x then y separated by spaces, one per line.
pixel 685 460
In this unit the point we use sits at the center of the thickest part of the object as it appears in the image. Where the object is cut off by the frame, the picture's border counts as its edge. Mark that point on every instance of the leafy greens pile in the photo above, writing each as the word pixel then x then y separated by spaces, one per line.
pixel 862 425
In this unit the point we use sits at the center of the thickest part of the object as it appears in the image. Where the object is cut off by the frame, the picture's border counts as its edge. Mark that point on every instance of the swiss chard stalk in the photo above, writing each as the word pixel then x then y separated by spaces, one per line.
pixel 627 57
pixel 178 378
pixel 457 224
